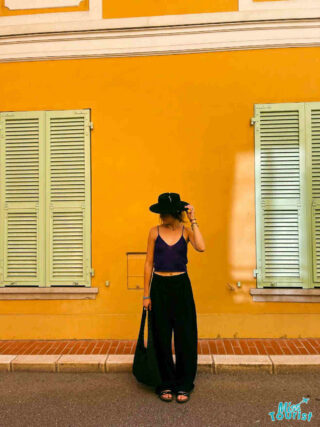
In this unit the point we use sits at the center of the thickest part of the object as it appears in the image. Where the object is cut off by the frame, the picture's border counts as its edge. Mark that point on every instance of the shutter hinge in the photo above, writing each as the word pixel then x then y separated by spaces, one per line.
pixel 255 272
pixel 92 272
pixel 91 125
pixel 253 121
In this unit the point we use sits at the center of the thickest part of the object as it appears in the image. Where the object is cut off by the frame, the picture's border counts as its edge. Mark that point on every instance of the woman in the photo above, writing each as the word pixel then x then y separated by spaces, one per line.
pixel 171 296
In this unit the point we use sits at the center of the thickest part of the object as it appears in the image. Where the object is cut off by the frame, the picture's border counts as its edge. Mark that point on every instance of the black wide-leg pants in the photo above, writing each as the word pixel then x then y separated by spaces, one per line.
pixel 174 309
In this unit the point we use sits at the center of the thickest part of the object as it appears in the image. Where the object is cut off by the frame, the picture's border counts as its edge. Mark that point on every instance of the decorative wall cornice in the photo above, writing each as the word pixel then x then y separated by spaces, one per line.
pixel 92 19
pixel 106 42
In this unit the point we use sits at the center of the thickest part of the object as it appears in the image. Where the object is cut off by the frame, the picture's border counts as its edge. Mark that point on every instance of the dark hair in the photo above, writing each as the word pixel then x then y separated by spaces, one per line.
pixel 180 215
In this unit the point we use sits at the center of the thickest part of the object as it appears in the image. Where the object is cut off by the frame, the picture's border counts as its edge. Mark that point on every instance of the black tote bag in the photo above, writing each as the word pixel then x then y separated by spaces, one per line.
pixel 145 365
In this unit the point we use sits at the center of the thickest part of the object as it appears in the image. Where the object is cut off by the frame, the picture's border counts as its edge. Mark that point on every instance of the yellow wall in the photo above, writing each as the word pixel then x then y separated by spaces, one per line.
pixel 4 11
pixel 177 123
pixel 129 8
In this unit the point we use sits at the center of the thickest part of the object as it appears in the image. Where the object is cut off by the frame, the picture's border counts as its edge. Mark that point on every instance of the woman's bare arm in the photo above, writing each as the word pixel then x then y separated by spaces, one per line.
pixel 196 238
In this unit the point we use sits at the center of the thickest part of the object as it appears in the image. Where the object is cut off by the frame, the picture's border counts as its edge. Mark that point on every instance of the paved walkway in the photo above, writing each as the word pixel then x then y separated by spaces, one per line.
pixel 116 400
pixel 218 346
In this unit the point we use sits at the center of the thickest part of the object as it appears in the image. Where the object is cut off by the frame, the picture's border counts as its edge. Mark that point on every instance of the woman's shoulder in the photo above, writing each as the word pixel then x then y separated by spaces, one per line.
pixel 153 232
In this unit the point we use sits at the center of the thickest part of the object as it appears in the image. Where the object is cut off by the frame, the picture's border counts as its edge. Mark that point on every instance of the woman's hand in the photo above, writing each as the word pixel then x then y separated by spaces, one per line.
pixel 147 303
pixel 190 212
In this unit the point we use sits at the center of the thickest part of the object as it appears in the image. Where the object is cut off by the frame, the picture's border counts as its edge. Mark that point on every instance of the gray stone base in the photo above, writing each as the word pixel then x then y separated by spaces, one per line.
pixel 215 364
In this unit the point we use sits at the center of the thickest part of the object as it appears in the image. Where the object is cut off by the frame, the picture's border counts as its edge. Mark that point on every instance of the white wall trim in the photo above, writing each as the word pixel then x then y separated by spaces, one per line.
pixel 15 21
pixel 39 4
pixel 270 5
pixel 159 41
pixel 63 21
pixel 285 295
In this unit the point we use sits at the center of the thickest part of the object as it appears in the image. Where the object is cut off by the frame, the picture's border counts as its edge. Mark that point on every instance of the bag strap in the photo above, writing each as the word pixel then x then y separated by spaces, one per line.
pixel 150 333
pixel 140 342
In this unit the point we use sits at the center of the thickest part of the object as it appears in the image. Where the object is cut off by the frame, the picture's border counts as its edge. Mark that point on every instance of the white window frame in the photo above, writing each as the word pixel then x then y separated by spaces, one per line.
pixel 39 4
pixel 60 292
pixel 94 13
pixel 281 4
pixel 290 294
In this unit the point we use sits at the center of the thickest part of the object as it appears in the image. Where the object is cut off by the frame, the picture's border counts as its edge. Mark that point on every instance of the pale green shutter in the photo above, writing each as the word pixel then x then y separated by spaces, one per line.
pixel 313 176
pixel 280 192
pixel 68 198
pixel 22 192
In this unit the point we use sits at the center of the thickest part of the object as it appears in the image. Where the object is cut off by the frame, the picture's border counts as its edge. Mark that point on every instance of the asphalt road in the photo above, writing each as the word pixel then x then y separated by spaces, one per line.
pixel 97 400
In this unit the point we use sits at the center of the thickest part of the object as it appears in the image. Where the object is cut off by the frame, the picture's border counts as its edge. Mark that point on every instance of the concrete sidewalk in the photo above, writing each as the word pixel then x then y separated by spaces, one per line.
pixel 282 355
pixel 45 399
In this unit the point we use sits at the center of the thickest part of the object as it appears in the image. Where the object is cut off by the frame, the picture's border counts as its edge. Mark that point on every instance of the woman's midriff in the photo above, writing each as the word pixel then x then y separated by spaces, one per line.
pixel 171 273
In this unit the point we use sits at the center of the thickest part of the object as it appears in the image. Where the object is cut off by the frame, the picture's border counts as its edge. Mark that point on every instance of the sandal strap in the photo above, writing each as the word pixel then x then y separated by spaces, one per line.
pixel 165 392
pixel 185 393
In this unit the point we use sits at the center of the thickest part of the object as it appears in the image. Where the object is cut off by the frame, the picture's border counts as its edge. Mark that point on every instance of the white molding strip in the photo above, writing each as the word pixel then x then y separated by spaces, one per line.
pixel 92 20
pixel 39 4
pixel 285 295
pixel 56 18
pixel 284 4
pixel 159 41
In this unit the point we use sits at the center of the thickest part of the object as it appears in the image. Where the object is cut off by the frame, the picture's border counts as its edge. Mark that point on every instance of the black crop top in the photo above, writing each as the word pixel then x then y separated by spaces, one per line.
pixel 170 257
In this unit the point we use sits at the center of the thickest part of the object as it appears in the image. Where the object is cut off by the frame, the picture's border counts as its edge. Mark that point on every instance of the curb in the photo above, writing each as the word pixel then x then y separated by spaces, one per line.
pixel 211 363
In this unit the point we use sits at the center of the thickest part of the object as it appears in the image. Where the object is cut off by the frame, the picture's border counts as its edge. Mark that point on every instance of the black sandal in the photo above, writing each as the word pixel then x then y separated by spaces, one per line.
pixel 182 393
pixel 165 399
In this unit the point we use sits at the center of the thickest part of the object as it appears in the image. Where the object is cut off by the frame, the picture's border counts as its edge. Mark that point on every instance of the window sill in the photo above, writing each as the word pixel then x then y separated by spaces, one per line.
pixel 285 295
pixel 63 293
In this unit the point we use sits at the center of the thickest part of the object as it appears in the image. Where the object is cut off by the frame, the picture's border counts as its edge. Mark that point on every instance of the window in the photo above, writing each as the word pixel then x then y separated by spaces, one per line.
pixel 287 174
pixel 45 217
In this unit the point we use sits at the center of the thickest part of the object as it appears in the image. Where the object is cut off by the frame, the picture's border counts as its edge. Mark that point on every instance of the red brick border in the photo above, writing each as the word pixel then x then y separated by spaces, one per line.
pixel 258 346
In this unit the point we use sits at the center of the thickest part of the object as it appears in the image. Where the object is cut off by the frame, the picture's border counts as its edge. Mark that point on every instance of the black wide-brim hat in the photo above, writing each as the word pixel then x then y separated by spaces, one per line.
pixel 169 203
